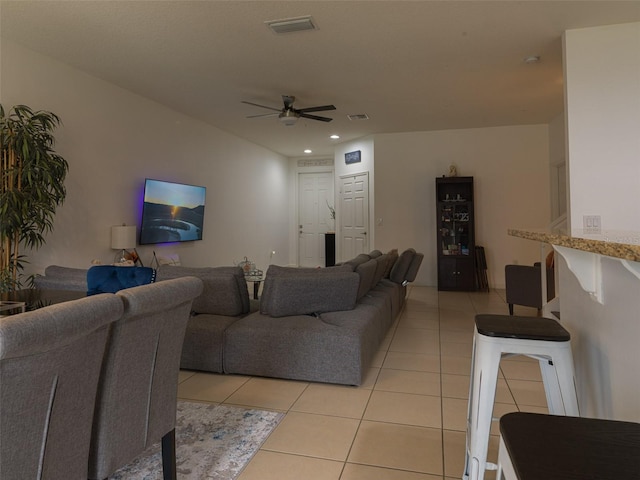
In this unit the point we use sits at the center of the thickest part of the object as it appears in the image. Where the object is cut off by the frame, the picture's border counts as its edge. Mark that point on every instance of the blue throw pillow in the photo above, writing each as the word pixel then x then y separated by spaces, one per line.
pixel 110 279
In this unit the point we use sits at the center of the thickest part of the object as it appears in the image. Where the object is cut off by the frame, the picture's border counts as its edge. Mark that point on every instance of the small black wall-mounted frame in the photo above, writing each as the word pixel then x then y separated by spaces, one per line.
pixel 352 157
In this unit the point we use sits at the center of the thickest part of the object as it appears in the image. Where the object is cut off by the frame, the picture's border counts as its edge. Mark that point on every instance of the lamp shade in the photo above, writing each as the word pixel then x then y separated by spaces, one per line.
pixel 123 236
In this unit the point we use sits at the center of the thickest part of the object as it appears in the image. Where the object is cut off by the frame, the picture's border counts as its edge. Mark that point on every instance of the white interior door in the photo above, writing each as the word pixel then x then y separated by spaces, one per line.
pixel 354 215
pixel 315 193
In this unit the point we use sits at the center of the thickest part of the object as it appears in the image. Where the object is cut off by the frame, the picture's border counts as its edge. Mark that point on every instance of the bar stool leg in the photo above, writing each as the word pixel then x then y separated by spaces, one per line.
pixel 486 363
pixel 505 467
pixel 465 475
pixel 551 386
pixel 564 398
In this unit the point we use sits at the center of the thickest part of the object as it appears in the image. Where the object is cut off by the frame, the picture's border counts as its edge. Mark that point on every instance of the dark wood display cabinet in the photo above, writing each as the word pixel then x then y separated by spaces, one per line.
pixel 455 229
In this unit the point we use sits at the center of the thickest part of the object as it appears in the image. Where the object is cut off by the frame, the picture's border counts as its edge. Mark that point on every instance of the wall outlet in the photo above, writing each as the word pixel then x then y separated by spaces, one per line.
pixel 591 224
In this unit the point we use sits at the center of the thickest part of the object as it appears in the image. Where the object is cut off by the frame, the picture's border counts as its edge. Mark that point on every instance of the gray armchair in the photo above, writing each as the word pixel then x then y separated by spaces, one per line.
pixel 50 362
pixel 137 393
pixel 524 285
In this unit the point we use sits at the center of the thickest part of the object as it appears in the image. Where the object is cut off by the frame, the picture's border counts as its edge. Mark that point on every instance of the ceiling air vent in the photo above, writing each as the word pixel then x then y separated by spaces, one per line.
pixel 359 116
pixel 289 25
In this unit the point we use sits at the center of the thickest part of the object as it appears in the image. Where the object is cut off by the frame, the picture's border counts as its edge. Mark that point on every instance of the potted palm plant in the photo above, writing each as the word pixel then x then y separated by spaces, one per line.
pixel 31 186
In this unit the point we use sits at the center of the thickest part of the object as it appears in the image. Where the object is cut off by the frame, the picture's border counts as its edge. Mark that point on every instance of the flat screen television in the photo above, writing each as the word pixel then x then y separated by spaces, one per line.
pixel 171 212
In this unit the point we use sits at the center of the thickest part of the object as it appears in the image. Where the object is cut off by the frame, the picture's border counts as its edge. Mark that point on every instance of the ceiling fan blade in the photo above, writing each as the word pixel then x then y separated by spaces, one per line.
pixel 322 108
pixel 315 117
pixel 262 106
pixel 288 101
pixel 263 115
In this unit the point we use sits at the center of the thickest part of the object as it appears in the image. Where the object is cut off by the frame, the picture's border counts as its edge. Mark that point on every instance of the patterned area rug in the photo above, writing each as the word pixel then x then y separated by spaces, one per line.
pixel 212 442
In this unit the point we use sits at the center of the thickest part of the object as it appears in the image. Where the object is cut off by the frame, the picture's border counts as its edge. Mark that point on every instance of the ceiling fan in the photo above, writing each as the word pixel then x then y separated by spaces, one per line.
pixel 289 115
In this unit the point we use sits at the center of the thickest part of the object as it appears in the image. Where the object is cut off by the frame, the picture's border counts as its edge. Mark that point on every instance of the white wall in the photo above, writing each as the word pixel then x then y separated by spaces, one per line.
pixel 604 340
pixel 366 165
pixel 113 139
pixel 510 166
pixel 602 83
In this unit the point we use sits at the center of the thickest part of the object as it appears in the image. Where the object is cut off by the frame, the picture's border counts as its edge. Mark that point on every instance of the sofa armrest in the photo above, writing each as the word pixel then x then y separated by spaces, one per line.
pixel 62 278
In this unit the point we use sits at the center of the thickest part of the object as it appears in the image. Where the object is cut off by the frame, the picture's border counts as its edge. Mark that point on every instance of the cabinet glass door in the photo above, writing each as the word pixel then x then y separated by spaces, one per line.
pixel 454 228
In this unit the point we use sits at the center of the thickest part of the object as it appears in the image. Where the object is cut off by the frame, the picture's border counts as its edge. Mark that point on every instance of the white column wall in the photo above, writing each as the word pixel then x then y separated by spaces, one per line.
pixel 602 95
pixel 602 85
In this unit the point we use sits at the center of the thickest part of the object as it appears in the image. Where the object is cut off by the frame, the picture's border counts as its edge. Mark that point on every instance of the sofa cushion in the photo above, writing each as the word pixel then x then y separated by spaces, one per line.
pixel 381 267
pixel 412 271
pixel 399 271
pixel 203 342
pixel 392 258
pixel 375 253
pixel 308 292
pixel 367 272
pixel 277 270
pixel 111 279
pixel 225 289
pixel 358 260
pixel 336 347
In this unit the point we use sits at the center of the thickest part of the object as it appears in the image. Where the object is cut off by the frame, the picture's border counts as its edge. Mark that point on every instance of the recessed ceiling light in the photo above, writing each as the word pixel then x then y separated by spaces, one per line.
pixel 532 59
pixel 307 151
pixel 334 137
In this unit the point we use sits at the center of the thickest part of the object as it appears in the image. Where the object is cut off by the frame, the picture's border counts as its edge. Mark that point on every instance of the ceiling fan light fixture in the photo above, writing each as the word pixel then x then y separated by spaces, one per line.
pixel 288 25
pixel 288 118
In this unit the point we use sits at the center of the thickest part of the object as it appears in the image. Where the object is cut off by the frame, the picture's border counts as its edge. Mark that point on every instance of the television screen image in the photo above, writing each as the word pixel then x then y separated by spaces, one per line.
pixel 171 212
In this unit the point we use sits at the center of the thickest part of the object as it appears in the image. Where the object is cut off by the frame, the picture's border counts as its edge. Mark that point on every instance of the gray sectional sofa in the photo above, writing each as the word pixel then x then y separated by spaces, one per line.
pixel 320 325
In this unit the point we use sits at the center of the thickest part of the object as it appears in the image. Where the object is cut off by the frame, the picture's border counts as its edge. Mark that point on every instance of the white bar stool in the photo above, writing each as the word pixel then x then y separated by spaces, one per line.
pixel 534 446
pixel 501 335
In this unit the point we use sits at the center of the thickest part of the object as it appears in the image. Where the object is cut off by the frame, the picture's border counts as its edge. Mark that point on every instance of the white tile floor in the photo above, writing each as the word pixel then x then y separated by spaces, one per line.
pixel 406 422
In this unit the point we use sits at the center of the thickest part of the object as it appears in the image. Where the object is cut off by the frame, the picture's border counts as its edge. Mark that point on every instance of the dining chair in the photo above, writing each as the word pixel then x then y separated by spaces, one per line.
pixel 50 361
pixel 137 391
pixel 112 278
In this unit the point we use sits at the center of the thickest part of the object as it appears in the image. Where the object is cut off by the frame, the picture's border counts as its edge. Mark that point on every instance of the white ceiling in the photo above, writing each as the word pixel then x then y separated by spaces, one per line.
pixel 408 65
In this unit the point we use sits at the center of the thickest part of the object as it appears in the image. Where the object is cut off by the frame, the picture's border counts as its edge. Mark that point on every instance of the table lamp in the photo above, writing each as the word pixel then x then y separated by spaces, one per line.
pixel 123 237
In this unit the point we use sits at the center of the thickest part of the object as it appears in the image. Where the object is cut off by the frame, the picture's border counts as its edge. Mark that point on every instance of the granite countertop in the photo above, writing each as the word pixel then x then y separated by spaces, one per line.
pixel 624 245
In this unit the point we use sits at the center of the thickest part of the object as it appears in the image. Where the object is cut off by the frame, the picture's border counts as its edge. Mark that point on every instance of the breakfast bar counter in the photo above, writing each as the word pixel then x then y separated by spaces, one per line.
pixel 598 276
pixel 616 245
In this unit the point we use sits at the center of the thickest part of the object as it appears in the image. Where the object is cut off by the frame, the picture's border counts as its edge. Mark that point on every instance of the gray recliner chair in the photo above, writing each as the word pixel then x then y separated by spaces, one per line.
pixel 50 361
pixel 524 285
pixel 137 393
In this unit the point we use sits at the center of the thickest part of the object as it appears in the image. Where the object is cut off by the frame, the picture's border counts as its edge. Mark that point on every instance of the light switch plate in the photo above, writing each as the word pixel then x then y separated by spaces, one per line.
pixel 592 223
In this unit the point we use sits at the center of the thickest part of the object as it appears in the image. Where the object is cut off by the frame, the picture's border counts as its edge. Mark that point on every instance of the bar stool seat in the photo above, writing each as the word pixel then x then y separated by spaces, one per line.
pixel 534 446
pixel 499 335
